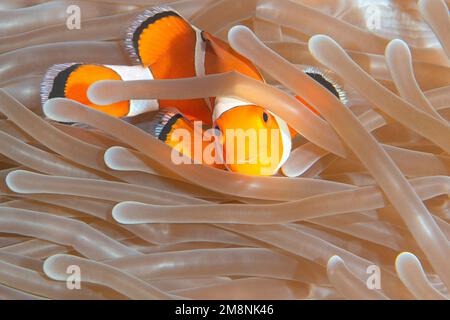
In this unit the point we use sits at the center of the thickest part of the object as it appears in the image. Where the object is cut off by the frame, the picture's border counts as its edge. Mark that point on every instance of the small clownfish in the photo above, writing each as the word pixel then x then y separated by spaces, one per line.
pixel 163 45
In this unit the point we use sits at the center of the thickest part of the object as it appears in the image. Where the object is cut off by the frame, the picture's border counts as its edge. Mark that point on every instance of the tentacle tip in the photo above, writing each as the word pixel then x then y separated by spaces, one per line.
pixel 320 44
pixel 403 257
pixel 236 30
pixel 49 264
pixel 99 92
pixel 241 34
pixel 334 260
pixel 52 109
pixel 109 156
pixel 396 44
pixel 287 171
pixel 11 180
pixel 94 93
pixel 318 39
pixel 117 212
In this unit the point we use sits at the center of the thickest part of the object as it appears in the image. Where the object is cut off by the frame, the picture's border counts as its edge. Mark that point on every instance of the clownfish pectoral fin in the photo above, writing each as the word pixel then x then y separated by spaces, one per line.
pixel 221 58
pixel 183 135
pixel 72 80
pixel 155 32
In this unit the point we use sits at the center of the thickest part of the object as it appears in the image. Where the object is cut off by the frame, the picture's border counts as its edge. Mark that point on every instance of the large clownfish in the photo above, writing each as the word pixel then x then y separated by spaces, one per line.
pixel 163 45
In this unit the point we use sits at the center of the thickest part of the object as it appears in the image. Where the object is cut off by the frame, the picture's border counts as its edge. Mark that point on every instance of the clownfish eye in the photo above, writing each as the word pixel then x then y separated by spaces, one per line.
pixel 217 128
pixel 265 117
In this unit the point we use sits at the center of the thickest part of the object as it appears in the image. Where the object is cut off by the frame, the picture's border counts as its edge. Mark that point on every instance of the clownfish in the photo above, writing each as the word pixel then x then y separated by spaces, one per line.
pixel 163 45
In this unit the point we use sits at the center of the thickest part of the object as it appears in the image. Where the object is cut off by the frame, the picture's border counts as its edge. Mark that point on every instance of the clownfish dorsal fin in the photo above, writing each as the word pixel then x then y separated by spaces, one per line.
pixel 323 77
pixel 153 33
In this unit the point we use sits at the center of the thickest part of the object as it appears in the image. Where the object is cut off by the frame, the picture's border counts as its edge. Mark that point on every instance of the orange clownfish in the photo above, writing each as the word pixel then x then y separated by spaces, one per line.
pixel 163 45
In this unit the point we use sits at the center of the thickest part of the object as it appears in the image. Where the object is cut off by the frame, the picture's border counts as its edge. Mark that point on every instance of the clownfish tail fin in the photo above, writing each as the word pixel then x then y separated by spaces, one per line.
pixel 327 81
pixel 164 122
pixel 54 81
pixel 152 34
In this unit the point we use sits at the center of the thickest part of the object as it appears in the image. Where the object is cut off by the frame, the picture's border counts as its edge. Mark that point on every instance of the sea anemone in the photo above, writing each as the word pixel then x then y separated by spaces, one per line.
pixel 359 211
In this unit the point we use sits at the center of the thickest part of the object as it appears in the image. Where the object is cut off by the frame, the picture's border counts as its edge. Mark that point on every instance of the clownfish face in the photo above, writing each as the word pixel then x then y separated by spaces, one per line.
pixel 253 140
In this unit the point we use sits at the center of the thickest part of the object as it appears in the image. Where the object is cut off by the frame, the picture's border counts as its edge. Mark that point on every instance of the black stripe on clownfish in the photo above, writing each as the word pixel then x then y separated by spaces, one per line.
pixel 54 83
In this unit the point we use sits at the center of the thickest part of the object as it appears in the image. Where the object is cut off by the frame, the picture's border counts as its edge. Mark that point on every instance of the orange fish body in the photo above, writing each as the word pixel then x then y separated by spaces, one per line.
pixel 163 45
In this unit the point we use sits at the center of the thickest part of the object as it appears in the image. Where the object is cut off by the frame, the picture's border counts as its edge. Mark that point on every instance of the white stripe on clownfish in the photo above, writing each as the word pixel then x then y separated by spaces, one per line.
pixel 286 139
pixel 224 104
pixel 200 57
pixel 128 73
